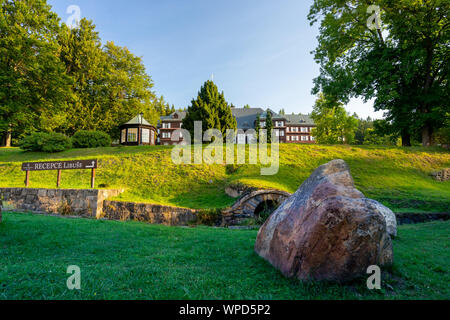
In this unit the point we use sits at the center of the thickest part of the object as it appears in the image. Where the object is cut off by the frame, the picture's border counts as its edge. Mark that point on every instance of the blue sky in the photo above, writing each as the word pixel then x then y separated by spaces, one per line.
pixel 258 51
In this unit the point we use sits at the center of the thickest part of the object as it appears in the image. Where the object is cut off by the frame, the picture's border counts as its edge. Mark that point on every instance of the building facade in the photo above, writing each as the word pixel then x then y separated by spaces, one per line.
pixel 138 132
pixel 288 128
pixel 167 126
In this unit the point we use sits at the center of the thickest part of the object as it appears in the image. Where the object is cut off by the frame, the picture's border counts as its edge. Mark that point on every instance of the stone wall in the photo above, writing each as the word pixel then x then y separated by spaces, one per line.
pixel 78 202
pixel 443 175
pixel 150 213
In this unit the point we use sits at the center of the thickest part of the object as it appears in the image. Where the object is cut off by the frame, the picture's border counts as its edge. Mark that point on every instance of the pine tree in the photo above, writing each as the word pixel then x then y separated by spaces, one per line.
pixel 211 108
pixel 269 126
pixel 258 126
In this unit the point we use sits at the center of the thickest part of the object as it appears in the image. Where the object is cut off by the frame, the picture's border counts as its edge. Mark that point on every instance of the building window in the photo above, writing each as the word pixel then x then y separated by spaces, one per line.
pixel 288 138
pixel 279 123
pixel 166 135
pixel 145 136
pixel 123 136
pixel 166 125
pixel 263 124
pixel 304 129
pixel 313 138
pixel 132 135
pixel 281 133
pixel 241 138
pixel 305 138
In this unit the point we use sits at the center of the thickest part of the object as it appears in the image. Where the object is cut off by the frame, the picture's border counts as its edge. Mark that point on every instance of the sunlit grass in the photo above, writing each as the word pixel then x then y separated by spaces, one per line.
pixel 139 261
pixel 390 174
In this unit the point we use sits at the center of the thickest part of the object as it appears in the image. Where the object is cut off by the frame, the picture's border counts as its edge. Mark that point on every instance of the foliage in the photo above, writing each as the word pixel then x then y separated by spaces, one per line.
pixel 34 87
pixel 61 79
pixel 403 65
pixel 443 134
pixel 209 217
pixel 333 124
pixel 46 142
pixel 163 263
pixel 269 126
pixel 110 83
pixel 370 132
pixel 372 138
pixel 90 139
pixel 211 109
pixel 258 126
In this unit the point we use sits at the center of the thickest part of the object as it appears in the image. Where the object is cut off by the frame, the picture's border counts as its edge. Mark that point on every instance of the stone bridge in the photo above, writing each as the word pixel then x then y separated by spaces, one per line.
pixel 249 205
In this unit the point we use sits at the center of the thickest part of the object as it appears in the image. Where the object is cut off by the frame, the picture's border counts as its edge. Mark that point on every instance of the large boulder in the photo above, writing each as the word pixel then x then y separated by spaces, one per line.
pixel 389 217
pixel 327 230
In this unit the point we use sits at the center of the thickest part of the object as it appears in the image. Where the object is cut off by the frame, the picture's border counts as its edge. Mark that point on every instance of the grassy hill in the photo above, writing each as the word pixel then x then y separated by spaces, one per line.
pixel 134 260
pixel 398 177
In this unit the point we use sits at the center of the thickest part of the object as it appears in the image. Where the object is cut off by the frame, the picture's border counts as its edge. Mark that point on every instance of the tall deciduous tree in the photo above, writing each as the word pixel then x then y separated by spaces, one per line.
pixel 34 87
pixel 110 83
pixel 403 64
pixel 333 124
pixel 211 108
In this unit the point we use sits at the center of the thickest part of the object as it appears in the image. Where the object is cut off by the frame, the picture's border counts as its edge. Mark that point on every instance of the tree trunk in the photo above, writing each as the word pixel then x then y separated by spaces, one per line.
pixel 7 138
pixel 427 136
pixel 406 140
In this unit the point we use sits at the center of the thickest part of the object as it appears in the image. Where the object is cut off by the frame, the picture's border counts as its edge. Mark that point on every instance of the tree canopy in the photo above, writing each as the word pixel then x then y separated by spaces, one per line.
pixel 333 124
pixel 34 87
pixel 60 79
pixel 403 64
pixel 211 108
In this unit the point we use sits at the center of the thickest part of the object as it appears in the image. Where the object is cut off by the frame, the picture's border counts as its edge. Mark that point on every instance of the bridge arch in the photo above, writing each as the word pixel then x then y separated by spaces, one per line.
pixel 248 205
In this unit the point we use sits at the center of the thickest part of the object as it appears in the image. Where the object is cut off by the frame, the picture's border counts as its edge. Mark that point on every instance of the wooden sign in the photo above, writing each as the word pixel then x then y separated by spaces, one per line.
pixel 59 165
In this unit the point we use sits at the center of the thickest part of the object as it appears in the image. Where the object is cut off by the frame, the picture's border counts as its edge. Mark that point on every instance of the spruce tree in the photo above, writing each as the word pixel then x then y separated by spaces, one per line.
pixel 211 108
pixel 258 127
pixel 269 126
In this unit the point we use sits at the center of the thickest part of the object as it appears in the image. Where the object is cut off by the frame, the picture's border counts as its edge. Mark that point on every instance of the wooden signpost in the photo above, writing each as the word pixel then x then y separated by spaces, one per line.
pixel 59 166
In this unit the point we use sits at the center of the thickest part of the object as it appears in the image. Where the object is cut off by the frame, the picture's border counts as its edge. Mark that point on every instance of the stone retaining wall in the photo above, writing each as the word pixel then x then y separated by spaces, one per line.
pixel 79 202
pixel 443 175
pixel 151 213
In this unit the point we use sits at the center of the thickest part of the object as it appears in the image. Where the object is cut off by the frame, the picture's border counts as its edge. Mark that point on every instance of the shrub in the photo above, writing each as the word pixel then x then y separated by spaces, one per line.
pixel 46 142
pixel 91 139
pixel 209 217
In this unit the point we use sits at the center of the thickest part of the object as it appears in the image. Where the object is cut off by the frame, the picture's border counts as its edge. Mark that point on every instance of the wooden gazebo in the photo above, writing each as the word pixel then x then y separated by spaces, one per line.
pixel 138 132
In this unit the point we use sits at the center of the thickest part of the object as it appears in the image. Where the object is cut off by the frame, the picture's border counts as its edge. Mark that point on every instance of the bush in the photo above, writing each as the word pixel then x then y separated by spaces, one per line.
pixel 209 217
pixel 91 139
pixel 46 142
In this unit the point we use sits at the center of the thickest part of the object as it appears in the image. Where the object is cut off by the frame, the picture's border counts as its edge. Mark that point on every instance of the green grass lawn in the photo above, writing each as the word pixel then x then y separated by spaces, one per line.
pixel 138 261
pixel 398 177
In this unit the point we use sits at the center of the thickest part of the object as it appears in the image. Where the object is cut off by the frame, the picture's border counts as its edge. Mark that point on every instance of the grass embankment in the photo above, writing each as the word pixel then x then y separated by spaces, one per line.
pixel 398 177
pixel 138 261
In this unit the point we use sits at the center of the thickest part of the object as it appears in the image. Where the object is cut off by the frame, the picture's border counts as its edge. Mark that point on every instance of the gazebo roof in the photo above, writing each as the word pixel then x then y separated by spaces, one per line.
pixel 139 119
